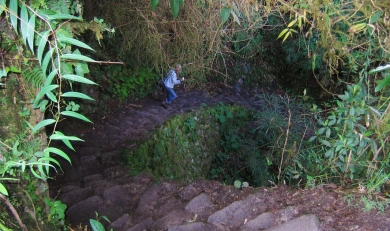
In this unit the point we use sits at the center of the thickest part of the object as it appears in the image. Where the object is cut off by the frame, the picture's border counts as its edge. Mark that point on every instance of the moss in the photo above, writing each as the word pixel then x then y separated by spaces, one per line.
pixel 184 147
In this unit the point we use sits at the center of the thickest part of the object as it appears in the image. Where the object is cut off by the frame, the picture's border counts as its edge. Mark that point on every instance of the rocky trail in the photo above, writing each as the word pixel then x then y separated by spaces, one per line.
pixel 96 182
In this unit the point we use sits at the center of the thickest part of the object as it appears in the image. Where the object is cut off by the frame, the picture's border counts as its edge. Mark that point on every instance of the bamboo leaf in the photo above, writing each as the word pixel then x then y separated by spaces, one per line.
pixel 379 69
pixel 43 91
pixel 42 124
pixel 75 42
pixel 50 77
pixel 61 136
pixel 46 61
pixel 41 45
pixel 77 78
pixel 24 22
pixel 383 83
pixel 225 13
pixel 154 3
pixel 13 8
pixel 77 57
pixel 58 152
pixel 286 36
pixel 76 95
pixel 75 115
pixel 283 32
pixel 62 16
pixel 31 33
pixel 51 96
pixel 292 23
pixel 175 6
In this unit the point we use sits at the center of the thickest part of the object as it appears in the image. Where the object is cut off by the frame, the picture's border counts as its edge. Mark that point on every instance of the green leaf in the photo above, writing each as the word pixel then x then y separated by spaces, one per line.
pixel 383 83
pixel 81 69
pixel 154 3
pixel 225 13
pixel 75 42
pixel 63 16
pixel 51 96
pixel 42 124
pixel 31 33
pixel 58 152
pixel 96 225
pixel 3 190
pixel 24 22
pixel 326 143
pixel 41 45
pixel 283 32
pixel 76 95
pixel 13 12
pixel 46 61
pixel 75 115
pixel 50 77
pixel 77 78
pixel 60 136
pixel 376 16
pixel 175 6
pixel 2 6
pixel 379 69
pixel 77 57
pixel 43 91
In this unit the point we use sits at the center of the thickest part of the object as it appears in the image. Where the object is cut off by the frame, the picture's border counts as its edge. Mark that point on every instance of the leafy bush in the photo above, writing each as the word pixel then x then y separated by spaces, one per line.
pixel 124 82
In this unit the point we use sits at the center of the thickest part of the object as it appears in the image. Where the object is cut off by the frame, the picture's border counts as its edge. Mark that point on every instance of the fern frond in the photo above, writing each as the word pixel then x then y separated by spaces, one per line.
pixel 34 76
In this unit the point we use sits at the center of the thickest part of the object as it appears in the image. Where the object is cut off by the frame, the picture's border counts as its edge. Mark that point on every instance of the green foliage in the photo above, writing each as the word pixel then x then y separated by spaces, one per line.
pixel 57 210
pixel 184 148
pixel 59 64
pixel 96 224
pixel 124 83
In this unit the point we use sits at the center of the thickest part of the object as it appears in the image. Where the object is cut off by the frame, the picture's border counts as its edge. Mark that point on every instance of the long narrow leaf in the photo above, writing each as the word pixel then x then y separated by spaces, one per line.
pixel 63 16
pixel 24 22
pixel 43 91
pixel 58 152
pixel 75 42
pixel 77 57
pixel 50 77
pixel 58 136
pixel 75 115
pixel 41 45
pixel 76 95
pixel 42 124
pixel 77 78
pixel 51 96
pixel 31 33
pixel 46 61
pixel 13 8
pixel 383 83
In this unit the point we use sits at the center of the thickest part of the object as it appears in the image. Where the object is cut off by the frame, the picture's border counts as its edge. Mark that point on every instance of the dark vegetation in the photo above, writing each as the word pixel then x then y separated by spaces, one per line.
pixel 329 124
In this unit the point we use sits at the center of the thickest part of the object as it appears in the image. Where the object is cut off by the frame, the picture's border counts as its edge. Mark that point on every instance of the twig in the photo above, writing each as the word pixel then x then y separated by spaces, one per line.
pixel 285 143
pixel 13 211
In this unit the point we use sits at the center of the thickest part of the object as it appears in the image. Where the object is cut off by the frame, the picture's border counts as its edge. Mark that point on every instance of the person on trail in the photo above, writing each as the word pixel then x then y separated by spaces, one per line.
pixel 169 83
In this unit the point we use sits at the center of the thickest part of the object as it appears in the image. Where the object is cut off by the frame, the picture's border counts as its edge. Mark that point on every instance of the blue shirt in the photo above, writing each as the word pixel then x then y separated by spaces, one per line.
pixel 171 79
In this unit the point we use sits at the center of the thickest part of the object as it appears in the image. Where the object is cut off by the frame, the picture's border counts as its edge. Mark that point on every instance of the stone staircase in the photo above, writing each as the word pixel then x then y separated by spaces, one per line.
pixel 96 182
